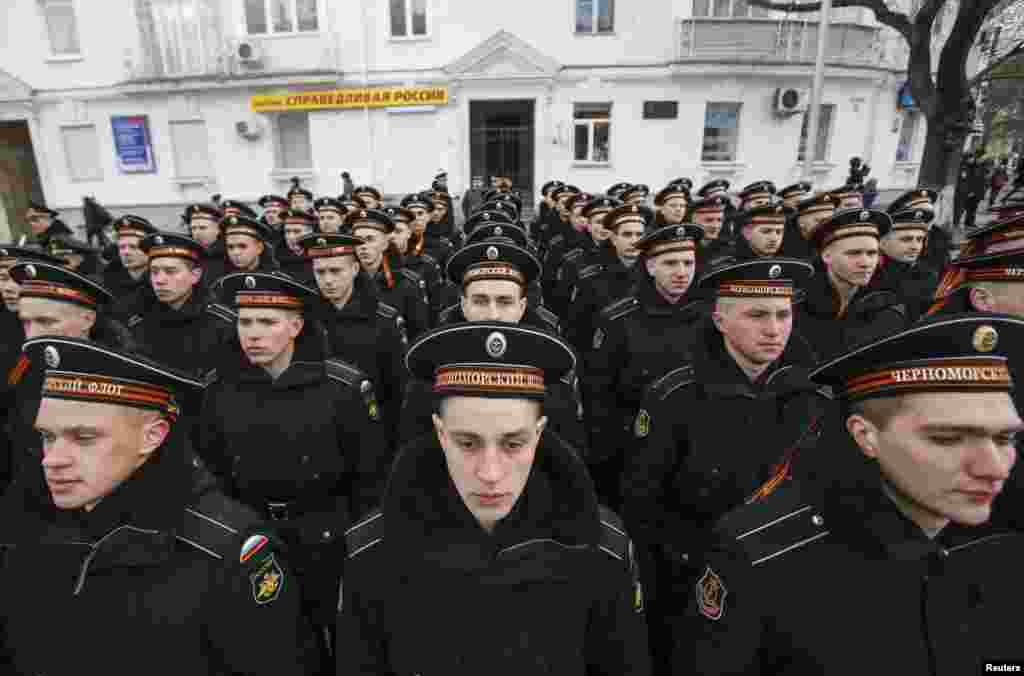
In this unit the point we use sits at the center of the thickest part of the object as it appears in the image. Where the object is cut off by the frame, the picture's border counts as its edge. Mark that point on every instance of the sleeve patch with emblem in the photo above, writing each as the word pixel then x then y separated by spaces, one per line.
pixel 267 581
pixel 642 426
pixel 711 593
pixel 638 589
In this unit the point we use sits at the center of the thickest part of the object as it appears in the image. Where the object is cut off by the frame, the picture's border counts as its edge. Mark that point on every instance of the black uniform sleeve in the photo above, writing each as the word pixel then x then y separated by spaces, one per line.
pixel 208 435
pixel 257 598
pixel 416 310
pixel 603 364
pixel 364 446
pixel 616 640
pixel 361 644
pixel 722 629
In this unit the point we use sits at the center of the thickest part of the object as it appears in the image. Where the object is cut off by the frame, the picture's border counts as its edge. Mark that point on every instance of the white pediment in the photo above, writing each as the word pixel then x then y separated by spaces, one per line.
pixel 13 89
pixel 503 55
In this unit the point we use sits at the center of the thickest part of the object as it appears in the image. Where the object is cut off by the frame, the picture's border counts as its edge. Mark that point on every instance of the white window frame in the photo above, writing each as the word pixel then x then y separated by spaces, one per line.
pixel 825 152
pixel 736 147
pixel 179 177
pixel 593 18
pixel 409 36
pixel 279 155
pixel 68 161
pixel 590 125
pixel 44 6
pixel 295 20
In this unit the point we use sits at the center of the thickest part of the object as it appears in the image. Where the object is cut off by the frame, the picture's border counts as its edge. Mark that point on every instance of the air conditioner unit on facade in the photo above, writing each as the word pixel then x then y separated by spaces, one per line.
pixel 249 53
pixel 789 101
pixel 249 129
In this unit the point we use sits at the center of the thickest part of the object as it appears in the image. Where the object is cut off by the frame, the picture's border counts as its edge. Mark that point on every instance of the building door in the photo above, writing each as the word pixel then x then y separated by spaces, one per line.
pixel 502 143
pixel 19 178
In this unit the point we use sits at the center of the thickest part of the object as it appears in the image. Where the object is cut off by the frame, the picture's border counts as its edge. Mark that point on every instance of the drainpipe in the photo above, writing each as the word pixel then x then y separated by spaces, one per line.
pixel 819 83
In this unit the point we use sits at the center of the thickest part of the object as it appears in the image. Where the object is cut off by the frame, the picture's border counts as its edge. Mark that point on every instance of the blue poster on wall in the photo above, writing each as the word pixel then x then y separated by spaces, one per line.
pixel 133 144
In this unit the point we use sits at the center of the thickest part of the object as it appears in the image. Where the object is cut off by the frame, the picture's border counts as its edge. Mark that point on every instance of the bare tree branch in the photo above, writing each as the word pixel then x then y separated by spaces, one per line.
pixel 896 20
pixel 984 72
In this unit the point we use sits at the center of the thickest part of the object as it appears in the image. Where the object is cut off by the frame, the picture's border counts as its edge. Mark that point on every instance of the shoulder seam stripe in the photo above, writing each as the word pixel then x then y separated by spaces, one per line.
pixel 364 547
pixel 614 528
pixel 610 552
pixel 994 536
pixel 365 522
pixel 212 520
pixel 791 547
pixel 772 523
pixel 199 546
pixel 536 541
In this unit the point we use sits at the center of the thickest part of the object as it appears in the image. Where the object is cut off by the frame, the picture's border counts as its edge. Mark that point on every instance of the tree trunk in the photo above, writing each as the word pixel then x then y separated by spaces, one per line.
pixel 940 165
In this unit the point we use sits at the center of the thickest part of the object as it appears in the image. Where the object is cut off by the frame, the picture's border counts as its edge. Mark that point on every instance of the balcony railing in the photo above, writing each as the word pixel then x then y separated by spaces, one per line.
pixel 755 40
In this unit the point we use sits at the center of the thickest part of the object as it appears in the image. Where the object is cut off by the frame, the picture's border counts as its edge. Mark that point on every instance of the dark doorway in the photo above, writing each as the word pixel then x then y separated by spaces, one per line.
pixel 19 177
pixel 501 143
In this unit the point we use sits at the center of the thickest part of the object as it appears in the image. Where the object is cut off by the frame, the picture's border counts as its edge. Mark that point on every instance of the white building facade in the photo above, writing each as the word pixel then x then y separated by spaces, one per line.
pixel 587 91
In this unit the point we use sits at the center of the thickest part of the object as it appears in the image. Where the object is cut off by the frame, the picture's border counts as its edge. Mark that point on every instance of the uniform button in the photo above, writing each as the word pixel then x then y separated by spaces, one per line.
pixel 817 520
pixel 685 557
pixel 305 459
pixel 327 535
pixel 714 471
pixel 316 477
pixel 943 553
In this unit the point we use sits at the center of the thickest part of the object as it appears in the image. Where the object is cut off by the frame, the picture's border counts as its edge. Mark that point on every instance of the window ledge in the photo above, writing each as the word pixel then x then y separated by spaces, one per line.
pixel 191 180
pixel 910 165
pixel 592 165
pixel 601 34
pixel 287 174
pixel 91 179
pixel 818 165
pixel 282 36
pixel 723 165
pixel 409 38
pixel 65 58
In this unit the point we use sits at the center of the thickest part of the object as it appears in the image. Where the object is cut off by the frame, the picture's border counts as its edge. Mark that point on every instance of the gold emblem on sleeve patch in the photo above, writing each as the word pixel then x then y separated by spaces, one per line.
pixel 267 581
pixel 711 593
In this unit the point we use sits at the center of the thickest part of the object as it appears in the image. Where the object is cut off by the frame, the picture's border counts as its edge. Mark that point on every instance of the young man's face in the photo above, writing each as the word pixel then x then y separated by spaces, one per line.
pixel 401 235
pixel 38 221
pixel 272 216
pixel 852 260
pixel 711 221
pixel 809 221
pixel 489 446
pixel 369 200
pixel 293 232
pixel 673 210
pixel 945 456
pixel 132 257
pixel 371 252
pixel 204 230
pixel 298 201
pixel 624 239
pixel 597 229
pixel 266 335
pixel 904 245
pixel 673 272
pixel 330 221
pixel 90 449
pixel 173 280
pixel 756 328
pixel 764 240
pixel 243 251
pixel 440 211
pixel 335 276
pixel 495 300
pixel 44 317
pixel 420 218
pixel 9 288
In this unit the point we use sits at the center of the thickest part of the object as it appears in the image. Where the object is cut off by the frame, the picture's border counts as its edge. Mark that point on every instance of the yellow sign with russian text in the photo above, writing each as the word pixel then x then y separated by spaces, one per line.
pixel 369 97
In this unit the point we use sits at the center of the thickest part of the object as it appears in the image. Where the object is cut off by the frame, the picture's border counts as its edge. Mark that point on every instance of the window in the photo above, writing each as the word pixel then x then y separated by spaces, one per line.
pixel 191 149
pixel 61 27
pixel 280 16
pixel 593 127
pixel 293 147
pixel 824 134
pixel 721 132
pixel 82 152
pixel 595 16
pixel 408 18
pixel 728 8
pixel 661 110
pixel 908 134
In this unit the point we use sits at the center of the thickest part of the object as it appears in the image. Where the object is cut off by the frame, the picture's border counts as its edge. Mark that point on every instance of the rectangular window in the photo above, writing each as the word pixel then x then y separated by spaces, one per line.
pixel 592 132
pixel 661 110
pixel 191 149
pixel 908 135
pixel 721 132
pixel 824 134
pixel 294 150
pixel 595 16
pixel 728 8
pixel 61 27
pixel 408 18
pixel 274 17
pixel 82 152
